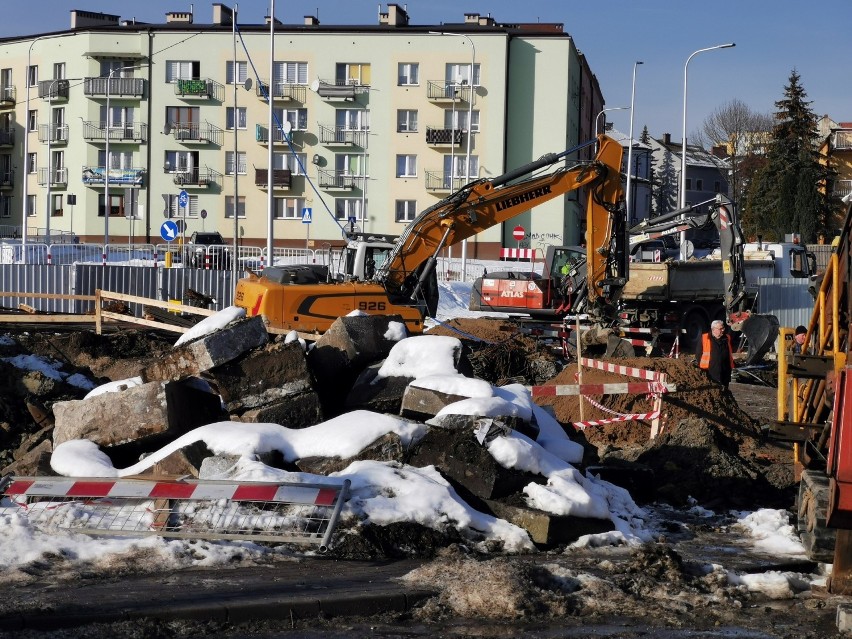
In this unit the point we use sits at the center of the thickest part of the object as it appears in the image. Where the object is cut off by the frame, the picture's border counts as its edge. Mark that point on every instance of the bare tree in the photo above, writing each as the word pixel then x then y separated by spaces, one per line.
pixel 744 133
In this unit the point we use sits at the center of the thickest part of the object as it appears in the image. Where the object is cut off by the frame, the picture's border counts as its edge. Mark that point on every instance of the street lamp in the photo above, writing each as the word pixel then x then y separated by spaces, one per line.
pixel 106 159
pixel 682 199
pixel 628 199
pixel 598 117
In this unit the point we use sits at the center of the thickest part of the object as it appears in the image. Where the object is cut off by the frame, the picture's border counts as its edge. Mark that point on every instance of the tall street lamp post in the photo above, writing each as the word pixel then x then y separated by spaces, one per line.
pixel 628 197
pixel 600 113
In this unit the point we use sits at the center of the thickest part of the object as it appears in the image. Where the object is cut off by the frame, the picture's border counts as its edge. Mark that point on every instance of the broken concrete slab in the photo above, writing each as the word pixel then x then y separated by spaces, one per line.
pixel 296 411
pixel 209 351
pixel 219 466
pixel 261 376
pixel 32 463
pixel 377 394
pixel 137 413
pixel 546 529
pixel 424 403
pixel 388 447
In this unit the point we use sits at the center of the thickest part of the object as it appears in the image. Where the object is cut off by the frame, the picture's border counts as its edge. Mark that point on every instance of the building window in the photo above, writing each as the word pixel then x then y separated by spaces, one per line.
pixel 406 166
pixel 346 207
pixel 182 70
pixel 116 204
pixel 295 163
pixel 350 164
pixel 458 119
pixel 348 73
pixel 31 206
pixel 352 119
pixel 298 118
pixel 460 74
pixel 289 208
pixel 688 184
pixel 229 207
pixel 699 185
pixel 454 165
pixel 406 210
pixel 5 206
pixel 177 211
pixel 290 72
pixel 408 73
pixel 32 120
pixel 229 118
pixel 32 76
pixel 56 208
pixel 58 70
pixel 229 162
pixel 241 72
pixel 717 186
pixel 406 120
pixel 32 162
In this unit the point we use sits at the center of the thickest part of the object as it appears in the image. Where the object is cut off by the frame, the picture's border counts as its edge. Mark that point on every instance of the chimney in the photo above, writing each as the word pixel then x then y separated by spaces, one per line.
pixel 80 19
pixel 396 16
pixel 179 16
pixel 277 21
pixel 471 18
pixel 311 21
pixel 222 15
pixel 667 139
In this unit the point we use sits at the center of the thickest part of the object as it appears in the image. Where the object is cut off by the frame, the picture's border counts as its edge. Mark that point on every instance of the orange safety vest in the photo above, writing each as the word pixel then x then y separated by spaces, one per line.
pixel 705 351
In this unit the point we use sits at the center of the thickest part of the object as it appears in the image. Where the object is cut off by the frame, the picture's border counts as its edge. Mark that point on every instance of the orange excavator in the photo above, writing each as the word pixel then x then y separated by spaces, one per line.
pixel 406 283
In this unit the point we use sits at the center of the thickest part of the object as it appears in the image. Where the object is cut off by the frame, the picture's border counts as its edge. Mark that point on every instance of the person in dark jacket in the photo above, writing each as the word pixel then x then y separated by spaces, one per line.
pixel 716 355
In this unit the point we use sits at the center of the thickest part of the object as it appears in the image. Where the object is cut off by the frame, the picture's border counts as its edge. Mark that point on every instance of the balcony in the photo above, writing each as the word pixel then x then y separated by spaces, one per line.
pixel 7 138
pixel 449 92
pixel 94 176
pixel 197 133
pixel 337 180
pixel 8 97
pixel 842 140
pixel 841 188
pixel 340 136
pixel 281 178
pixel 196 177
pixel 53 90
pixel 442 137
pixel 114 87
pixel 339 91
pixel 437 181
pixel 53 133
pixel 199 88
pixel 128 132
pixel 283 92
pixel 7 180
pixel 57 177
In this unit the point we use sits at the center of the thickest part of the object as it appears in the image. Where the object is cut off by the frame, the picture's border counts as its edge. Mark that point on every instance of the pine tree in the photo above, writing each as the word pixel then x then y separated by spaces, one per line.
pixel 665 189
pixel 788 195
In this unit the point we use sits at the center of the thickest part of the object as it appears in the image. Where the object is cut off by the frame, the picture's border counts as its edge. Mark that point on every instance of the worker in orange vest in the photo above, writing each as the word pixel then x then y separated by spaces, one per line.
pixel 716 357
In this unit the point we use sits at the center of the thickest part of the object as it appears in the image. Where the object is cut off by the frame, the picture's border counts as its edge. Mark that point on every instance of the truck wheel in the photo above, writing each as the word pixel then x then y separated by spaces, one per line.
pixel 694 324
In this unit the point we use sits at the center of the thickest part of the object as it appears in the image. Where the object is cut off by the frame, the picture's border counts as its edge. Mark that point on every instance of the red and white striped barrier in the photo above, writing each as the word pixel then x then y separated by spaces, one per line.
pixel 623 370
pixel 105 488
pixel 615 388
pixel 517 254
pixel 623 418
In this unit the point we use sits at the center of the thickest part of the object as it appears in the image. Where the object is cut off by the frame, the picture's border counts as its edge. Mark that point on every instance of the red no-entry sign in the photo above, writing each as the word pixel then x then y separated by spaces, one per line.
pixel 519 233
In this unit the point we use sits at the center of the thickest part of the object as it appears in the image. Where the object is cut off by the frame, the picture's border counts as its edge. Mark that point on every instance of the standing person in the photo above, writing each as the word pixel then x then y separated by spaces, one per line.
pixel 716 356
pixel 799 339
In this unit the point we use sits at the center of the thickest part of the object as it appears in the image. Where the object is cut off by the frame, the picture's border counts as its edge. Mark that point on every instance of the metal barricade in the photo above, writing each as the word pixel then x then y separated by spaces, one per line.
pixel 196 509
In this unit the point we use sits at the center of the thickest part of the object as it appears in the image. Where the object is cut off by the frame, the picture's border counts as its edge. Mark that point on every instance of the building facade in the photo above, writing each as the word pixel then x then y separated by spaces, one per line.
pixel 111 127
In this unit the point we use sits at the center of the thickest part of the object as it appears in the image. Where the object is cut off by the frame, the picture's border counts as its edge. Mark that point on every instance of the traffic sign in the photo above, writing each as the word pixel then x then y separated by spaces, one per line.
pixel 169 231
pixel 183 199
pixel 306 215
pixel 519 233
pixel 203 214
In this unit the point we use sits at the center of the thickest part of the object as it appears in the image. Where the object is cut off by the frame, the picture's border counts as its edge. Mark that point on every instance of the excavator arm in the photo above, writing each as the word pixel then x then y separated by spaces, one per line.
pixel 485 203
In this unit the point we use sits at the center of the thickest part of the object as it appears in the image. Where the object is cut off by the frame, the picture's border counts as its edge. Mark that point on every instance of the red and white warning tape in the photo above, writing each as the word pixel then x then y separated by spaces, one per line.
pixel 617 388
pixel 67 487
pixel 624 418
pixel 622 370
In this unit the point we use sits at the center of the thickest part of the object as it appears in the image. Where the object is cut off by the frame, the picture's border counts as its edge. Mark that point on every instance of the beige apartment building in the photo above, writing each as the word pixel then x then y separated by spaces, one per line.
pixel 370 125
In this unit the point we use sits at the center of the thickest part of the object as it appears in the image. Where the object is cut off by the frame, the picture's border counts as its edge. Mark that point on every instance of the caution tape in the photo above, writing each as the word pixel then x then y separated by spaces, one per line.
pixel 615 388
pixel 624 418
pixel 622 370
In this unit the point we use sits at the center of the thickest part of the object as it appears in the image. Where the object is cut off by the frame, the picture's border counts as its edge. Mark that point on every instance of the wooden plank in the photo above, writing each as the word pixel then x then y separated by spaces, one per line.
pixel 144 322
pixel 26 308
pixel 21 318
pixel 152 302
pixel 50 296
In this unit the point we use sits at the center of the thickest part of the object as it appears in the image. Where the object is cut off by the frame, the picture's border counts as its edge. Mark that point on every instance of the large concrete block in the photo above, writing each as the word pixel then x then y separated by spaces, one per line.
pixel 546 529
pixel 34 462
pixel 262 376
pixel 388 447
pixel 376 394
pixel 423 403
pixel 295 411
pixel 215 349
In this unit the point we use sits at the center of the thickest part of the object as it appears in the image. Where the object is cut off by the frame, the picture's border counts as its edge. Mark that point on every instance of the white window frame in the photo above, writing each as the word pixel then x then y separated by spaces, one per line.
pixel 182 70
pixel 32 163
pixel 353 73
pixel 406 165
pixel 408 74
pixel 242 72
pixel 229 207
pixel 298 118
pixel 288 208
pixel 459 118
pixel 290 161
pixel 405 211
pixel 454 165
pixel 176 211
pixel 241 163
pixel 31 206
pixel 32 76
pixel 290 73
pixel 351 164
pixel 241 118
pixel 346 207
pixel 117 159
pixel 406 120
pixel 56 205
pixel 352 119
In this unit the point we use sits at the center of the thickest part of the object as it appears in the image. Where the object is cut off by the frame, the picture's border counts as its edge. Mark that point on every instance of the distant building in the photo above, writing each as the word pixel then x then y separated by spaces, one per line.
pixel 384 121
pixel 640 182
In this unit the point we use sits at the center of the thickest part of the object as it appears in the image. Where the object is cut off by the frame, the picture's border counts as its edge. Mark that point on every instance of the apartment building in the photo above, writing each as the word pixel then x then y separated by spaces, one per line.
pixel 111 127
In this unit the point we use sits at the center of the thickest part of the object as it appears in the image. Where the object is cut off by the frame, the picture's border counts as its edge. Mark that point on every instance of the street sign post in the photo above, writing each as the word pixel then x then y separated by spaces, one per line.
pixel 183 202
pixel 307 218
pixel 519 233
pixel 169 231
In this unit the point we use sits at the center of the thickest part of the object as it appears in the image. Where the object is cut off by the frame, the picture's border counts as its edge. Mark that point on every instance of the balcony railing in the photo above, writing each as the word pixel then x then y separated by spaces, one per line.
pixel 261 134
pixel 842 188
pixel 53 133
pixel 443 136
pixel 338 180
pixel 449 92
pixel 7 137
pixel 57 177
pixel 53 89
pixel 8 97
pixel 114 87
pixel 7 179
pixel 843 140
pixel 281 178
pixel 94 175
pixel 340 90
pixel 203 88
pixel 203 133
pixel 129 132
pixel 196 177
pixel 283 91
pixel 443 181
pixel 341 136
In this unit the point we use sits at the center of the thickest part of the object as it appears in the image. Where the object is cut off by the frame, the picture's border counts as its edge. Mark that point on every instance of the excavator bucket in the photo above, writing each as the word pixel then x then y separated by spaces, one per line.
pixel 760 331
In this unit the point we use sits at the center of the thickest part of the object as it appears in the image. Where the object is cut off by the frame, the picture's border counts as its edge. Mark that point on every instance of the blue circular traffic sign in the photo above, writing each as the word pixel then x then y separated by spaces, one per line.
pixel 183 198
pixel 169 231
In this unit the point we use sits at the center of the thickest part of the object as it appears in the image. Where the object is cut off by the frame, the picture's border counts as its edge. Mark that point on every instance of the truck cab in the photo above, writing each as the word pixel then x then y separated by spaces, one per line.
pixel 791 259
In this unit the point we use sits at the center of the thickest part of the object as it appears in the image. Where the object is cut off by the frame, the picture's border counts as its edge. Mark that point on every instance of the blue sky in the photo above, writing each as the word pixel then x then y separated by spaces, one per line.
pixel 772 38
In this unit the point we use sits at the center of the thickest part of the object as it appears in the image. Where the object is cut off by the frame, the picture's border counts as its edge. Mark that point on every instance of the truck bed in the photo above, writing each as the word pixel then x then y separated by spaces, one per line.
pixel 690 280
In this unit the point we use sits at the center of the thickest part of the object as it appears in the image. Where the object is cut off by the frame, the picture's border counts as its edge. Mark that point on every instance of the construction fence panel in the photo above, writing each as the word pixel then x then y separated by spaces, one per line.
pixel 176 282
pixel 298 513
pixel 787 299
pixel 131 280
pixel 58 254
pixel 41 279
